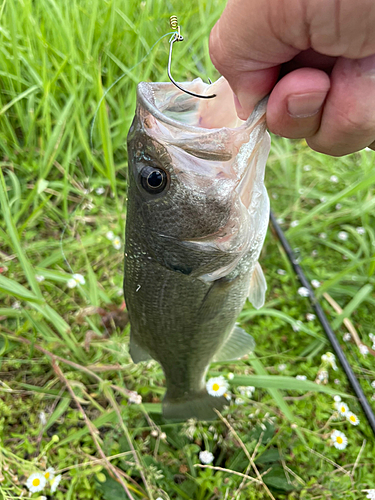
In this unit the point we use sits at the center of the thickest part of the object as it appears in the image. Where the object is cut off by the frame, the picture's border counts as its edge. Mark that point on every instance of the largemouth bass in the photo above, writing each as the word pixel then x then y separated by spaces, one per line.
pixel 197 216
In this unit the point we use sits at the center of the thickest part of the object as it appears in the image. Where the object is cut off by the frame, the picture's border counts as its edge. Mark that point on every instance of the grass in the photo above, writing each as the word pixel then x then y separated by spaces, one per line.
pixel 65 373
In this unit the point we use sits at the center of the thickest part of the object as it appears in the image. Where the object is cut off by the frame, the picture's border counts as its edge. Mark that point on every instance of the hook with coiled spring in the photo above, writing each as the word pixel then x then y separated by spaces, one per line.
pixel 177 37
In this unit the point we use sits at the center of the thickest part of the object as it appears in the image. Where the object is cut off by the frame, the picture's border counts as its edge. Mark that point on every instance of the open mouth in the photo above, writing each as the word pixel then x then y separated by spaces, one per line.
pixel 170 104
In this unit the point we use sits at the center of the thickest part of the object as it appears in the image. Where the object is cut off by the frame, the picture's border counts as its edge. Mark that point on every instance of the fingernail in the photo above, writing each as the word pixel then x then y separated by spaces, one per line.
pixel 245 103
pixel 305 105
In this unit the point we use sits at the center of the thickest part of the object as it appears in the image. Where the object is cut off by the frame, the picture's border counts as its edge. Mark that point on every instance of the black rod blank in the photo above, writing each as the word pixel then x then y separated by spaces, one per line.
pixel 326 326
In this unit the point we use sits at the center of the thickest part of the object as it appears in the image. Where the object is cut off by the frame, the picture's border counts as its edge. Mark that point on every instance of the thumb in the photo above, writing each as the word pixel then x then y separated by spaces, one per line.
pixel 245 49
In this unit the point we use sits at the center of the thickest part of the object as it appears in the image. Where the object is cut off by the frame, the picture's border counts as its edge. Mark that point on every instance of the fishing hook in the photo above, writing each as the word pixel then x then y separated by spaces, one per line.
pixel 177 37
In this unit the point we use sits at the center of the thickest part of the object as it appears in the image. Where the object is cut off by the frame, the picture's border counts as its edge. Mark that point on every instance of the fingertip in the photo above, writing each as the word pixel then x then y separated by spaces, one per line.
pixel 250 87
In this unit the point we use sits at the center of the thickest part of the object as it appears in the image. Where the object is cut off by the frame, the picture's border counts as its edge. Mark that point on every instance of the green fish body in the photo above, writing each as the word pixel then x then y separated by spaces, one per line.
pixel 197 216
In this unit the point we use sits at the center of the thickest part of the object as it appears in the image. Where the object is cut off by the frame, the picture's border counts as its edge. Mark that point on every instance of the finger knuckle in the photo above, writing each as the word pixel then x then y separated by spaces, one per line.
pixel 356 121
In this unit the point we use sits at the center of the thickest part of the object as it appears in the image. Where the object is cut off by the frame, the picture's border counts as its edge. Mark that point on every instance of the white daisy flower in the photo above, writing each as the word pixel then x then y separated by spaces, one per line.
pixel 280 220
pixel 206 457
pixel 294 223
pixel 323 236
pixel 337 399
pixel 228 396
pixel 297 326
pixel 163 436
pixel 307 168
pixel 370 493
pixel 49 474
pixel 338 206
pixel 372 336
pixel 343 235
pixel 303 291
pixel 116 243
pixel 346 337
pixel 79 279
pixel 39 278
pixel 337 381
pixel 342 408
pixel 36 482
pixel 16 304
pixel 363 349
pixel 315 283
pixel 55 483
pixel 314 253
pixel 230 376
pixel 76 279
pixel 110 236
pixel 217 386
pixel 360 230
pixel 352 418
pixel 135 398
pixel 334 179
pixel 330 358
pixel 310 317
pixel 239 401
pixel 301 377
pixel 373 384
pixel 42 418
pixel 282 272
pixel 281 367
pixel 339 440
pixel 99 190
pixel 246 391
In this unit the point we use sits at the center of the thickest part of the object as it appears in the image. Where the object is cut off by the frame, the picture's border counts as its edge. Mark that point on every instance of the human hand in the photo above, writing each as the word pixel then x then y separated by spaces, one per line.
pixel 324 53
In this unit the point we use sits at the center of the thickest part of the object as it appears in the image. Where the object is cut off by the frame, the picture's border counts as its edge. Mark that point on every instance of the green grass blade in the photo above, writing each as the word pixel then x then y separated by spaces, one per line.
pixel 362 294
pixel 284 383
pixel 16 290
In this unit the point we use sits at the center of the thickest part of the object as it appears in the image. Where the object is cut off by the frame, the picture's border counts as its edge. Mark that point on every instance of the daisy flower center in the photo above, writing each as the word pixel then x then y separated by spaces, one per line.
pixel 339 440
pixel 215 387
pixel 46 475
pixel 36 482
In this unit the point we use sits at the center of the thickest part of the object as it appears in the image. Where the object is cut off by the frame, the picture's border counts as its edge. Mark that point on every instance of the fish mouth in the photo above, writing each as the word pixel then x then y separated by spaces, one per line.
pixel 208 129
pixel 173 107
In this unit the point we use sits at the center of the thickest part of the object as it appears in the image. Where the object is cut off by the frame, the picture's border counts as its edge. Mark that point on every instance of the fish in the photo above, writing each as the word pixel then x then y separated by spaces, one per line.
pixel 197 217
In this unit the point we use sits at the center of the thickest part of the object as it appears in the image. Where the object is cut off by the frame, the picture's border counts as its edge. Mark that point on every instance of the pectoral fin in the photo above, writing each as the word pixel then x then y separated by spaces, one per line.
pixel 258 287
pixel 237 345
pixel 137 352
pixel 215 299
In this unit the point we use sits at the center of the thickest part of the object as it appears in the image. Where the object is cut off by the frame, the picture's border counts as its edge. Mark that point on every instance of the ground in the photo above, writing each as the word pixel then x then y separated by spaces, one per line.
pixel 69 393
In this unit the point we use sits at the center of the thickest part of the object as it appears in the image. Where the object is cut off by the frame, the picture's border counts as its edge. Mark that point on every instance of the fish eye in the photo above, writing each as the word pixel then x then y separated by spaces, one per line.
pixel 153 179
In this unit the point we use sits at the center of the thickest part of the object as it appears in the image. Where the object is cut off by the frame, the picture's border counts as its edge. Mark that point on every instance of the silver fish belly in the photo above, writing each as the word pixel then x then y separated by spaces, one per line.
pixel 197 216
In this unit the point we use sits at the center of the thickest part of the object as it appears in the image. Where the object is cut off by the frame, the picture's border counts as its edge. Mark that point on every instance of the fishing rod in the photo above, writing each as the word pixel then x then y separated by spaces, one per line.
pixel 326 326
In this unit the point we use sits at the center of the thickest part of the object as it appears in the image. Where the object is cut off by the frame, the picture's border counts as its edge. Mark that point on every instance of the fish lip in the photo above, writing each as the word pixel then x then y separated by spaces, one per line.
pixel 244 188
pixel 145 97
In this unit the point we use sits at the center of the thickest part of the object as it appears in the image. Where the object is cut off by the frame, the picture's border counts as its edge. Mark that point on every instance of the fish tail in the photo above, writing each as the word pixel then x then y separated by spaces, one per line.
pixel 199 405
